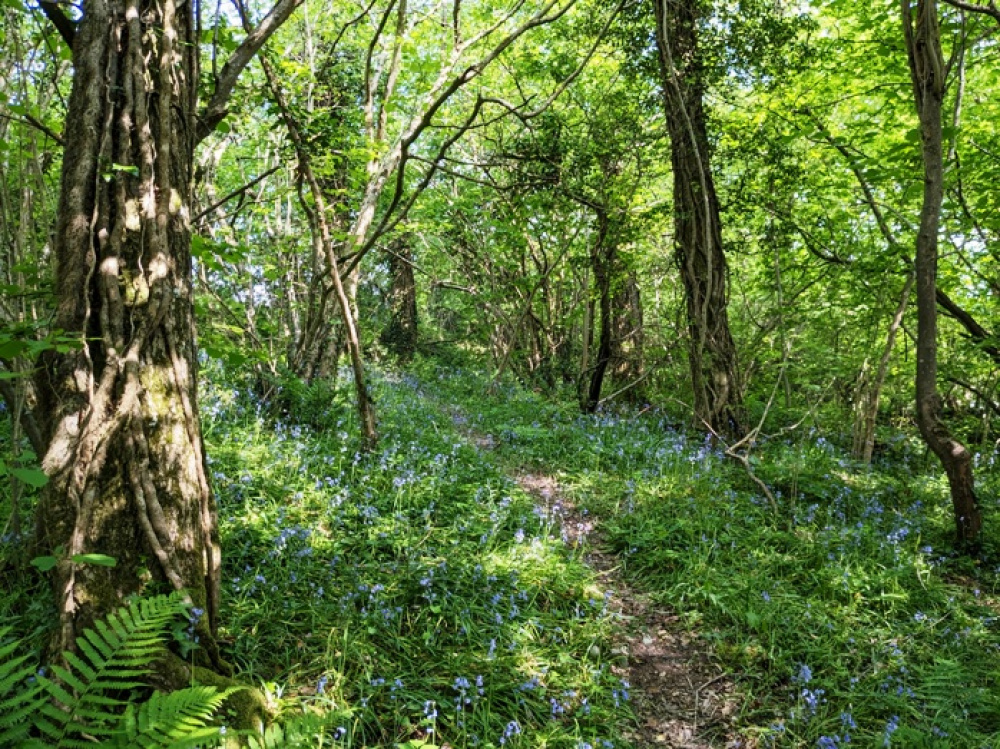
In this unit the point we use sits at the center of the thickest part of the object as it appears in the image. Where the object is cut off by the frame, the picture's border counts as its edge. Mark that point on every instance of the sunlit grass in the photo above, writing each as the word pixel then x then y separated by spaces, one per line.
pixel 413 594
pixel 847 618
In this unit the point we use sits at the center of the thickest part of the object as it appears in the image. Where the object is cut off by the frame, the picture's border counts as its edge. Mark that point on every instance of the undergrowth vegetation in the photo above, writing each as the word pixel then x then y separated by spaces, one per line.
pixel 846 617
pixel 416 596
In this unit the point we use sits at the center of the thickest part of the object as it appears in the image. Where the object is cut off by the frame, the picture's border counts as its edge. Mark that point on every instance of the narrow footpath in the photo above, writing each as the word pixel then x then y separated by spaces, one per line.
pixel 681 698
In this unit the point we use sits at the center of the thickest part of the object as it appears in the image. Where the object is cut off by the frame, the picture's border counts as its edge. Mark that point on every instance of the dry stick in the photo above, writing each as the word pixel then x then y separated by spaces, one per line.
pixel 744 458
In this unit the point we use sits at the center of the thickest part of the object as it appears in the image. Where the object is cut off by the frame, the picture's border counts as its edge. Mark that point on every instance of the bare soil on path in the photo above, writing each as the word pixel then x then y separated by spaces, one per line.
pixel 681 698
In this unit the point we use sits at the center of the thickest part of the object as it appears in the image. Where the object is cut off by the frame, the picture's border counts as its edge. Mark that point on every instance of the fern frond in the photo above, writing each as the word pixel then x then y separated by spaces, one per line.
pixel 178 719
pixel 82 704
pixel 19 698
pixel 118 653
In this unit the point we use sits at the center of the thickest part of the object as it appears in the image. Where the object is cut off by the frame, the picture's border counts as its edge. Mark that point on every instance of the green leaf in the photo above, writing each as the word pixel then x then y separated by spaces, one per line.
pixel 30 476
pixel 102 560
pixel 44 564
pixel 11 348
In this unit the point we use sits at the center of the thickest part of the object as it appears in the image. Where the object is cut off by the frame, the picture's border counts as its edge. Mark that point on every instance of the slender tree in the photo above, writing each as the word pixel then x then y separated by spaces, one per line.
pixel 927 72
pixel 125 457
pixel 697 222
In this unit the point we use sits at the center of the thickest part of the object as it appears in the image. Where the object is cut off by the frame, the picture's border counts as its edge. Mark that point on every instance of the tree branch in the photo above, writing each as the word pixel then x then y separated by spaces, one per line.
pixel 64 25
pixel 218 106
pixel 990 9
pixel 976 332
pixel 238 191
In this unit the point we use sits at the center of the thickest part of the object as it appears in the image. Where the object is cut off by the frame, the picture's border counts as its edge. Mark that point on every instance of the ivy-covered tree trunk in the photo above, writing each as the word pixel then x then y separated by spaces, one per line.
pixel 125 457
pixel 400 335
pixel 927 72
pixel 125 460
pixel 697 224
pixel 602 260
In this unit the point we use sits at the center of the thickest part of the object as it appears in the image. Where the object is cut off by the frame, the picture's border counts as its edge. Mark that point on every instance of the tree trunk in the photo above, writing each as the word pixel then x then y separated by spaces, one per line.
pixel 324 250
pixel 927 72
pixel 400 335
pixel 602 258
pixel 125 456
pixel 126 460
pixel 628 342
pixel 864 441
pixel 697 224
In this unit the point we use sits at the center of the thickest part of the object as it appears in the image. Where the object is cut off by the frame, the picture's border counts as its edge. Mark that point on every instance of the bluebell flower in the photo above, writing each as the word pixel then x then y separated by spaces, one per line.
pixel 890 728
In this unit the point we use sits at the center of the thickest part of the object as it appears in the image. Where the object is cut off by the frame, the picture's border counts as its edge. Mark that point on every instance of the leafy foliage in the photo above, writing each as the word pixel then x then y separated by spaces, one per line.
pixel 93 695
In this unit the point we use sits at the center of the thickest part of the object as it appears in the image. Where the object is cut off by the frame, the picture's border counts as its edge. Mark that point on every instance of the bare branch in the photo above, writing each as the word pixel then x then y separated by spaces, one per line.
pixel 238 191
pixel 64 25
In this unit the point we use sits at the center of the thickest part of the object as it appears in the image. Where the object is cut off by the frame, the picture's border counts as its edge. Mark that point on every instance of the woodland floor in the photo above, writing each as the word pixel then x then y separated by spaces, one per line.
pixel 682 698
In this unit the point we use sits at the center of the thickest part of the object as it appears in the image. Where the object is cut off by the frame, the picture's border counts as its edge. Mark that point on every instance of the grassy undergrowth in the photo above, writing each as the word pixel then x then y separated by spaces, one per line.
pixel 416 596
pixel 846 619
pixel 410 596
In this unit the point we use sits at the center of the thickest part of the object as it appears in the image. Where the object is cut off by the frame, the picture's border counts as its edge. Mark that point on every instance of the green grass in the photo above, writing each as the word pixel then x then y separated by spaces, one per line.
pixel 414 594
pixel 848 615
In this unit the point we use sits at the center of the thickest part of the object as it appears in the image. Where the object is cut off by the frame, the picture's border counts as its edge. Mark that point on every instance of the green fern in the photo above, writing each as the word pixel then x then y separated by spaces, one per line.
pixel 20 696
pixel 81 706
pixel 177 719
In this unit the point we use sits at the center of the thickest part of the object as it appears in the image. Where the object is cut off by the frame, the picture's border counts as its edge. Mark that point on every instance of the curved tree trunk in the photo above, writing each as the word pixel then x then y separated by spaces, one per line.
pixel 927 71
pixel 697 225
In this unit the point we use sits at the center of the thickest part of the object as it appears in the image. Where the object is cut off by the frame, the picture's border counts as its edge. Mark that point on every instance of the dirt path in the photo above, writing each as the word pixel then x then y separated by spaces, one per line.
pixel 680 697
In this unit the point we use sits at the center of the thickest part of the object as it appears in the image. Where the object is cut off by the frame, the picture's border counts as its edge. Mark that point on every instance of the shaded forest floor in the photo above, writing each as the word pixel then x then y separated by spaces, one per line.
pixel 503 571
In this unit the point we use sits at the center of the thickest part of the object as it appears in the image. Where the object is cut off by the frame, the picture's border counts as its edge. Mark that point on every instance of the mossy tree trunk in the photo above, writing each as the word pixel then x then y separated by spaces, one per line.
pixel 125 456
pixel 697 223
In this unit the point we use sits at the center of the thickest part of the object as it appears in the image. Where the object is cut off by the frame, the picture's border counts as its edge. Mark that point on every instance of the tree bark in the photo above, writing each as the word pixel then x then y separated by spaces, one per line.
pixel 628 343
pixel 602 259
pixel 927 72
pixel 400 335
pixel 125 456
pixel 697 224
